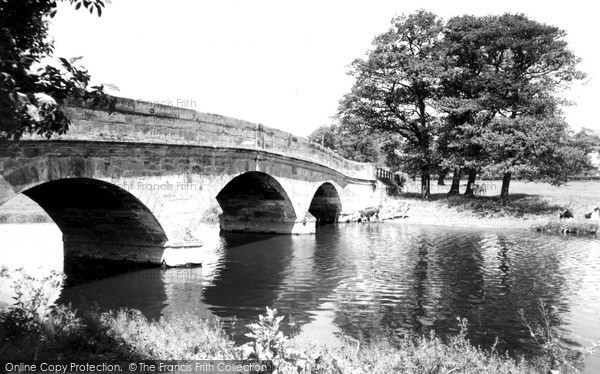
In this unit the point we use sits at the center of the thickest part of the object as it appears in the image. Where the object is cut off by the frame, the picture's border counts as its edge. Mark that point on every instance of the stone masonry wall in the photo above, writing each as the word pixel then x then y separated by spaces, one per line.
pixel 138 121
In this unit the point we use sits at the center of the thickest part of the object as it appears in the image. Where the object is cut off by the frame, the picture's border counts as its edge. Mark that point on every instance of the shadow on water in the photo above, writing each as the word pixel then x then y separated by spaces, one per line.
pixel 246 277
pixel 81 270
pixel 121 286
pixel 295 274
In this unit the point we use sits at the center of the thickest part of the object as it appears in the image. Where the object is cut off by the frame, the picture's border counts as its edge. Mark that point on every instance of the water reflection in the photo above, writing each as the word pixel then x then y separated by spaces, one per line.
pixel 366 280
pixel 248 276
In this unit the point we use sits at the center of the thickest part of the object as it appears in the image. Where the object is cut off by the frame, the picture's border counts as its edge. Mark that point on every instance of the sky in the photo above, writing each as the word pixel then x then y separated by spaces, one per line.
pixel 280 63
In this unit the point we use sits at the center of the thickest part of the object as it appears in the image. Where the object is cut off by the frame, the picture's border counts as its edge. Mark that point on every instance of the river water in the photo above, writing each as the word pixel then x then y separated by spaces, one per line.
pixel 362 280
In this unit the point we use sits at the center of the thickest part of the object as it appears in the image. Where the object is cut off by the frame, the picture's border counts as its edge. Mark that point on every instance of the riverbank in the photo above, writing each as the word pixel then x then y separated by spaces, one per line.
pixel 532 206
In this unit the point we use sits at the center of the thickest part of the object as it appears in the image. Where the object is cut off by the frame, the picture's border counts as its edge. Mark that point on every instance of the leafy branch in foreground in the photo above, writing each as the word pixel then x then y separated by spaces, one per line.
pixel 34 84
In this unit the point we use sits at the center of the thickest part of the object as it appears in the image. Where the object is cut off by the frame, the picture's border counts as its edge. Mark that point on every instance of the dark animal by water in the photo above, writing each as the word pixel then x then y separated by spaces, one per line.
pixel 566 214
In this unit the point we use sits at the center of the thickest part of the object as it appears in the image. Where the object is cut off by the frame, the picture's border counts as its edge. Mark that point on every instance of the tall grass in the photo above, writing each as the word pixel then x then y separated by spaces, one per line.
pixel 575 227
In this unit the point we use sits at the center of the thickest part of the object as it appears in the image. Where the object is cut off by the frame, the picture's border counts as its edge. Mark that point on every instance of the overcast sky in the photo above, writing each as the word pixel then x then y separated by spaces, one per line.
pixel 279 63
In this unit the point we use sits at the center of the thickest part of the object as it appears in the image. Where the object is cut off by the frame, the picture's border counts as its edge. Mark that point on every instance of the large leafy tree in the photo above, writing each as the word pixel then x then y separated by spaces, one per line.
pixel 535 148
pixel 507 67
pixel 32 88
pixel 463 95
pixel 397 87
pixel 350 141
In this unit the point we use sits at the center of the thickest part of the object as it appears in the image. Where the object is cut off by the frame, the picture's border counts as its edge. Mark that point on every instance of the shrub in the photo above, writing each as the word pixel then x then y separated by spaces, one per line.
pixel 554 358
pixel 183 338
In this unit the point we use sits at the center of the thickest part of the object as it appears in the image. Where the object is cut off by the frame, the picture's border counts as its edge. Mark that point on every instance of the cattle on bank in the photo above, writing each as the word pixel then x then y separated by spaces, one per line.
pixel 593 214
pixel 370 212
pixel 567 214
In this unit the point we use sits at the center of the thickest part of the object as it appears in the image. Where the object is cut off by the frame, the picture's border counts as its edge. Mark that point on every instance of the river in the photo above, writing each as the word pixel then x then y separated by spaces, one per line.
pixel 362 280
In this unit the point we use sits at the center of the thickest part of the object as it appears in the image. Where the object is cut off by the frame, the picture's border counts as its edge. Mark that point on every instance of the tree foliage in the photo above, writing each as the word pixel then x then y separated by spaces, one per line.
pixel 501 69
pixel 33 86
pixel 350 142
pixel 397 86
pixel 473 93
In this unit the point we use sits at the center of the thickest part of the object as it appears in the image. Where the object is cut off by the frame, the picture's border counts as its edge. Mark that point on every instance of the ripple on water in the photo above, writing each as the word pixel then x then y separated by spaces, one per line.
pixel 363 280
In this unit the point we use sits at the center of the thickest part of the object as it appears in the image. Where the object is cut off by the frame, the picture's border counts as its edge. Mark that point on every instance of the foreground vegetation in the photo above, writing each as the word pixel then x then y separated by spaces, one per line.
pixel 60 332
pixel 127 335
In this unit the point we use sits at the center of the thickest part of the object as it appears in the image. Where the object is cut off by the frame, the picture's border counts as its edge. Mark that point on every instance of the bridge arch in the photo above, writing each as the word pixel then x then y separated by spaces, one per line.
pixel 99 219
pixel 256 201
pixel 85 206
pixel 325 204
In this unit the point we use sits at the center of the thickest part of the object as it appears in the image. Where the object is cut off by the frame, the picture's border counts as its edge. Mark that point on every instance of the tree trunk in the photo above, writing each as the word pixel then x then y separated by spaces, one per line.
pixel 425 184
pixel 504 189
pixel 454 189
pixel 442 176
pixel 470 181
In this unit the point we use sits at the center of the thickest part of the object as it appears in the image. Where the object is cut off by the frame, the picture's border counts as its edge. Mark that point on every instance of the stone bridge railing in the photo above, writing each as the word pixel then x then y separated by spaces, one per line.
pixel 145 122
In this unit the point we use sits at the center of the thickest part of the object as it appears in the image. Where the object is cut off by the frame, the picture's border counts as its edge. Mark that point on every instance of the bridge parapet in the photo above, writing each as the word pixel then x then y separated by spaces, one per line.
pixel 146 122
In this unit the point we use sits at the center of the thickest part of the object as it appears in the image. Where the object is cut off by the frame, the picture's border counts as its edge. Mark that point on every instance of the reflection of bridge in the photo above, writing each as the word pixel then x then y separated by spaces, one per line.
pixel 130 183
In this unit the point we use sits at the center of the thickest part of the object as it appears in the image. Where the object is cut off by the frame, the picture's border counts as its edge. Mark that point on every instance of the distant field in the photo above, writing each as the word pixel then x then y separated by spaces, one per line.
pixel 579 196
pixel 528 199
pixel 575 189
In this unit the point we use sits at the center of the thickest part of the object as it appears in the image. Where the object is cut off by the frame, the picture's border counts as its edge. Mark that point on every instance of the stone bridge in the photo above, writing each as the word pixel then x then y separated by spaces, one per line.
pixel 135 183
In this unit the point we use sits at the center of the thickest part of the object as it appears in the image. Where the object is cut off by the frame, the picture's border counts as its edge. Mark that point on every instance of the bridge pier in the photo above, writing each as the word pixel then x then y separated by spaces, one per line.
pixel 295 227
pixel 86 247
pixel 170 254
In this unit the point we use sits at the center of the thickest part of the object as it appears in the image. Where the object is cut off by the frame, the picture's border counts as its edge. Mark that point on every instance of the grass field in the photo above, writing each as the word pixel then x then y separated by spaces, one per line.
pixel 532 204
pixel 526 197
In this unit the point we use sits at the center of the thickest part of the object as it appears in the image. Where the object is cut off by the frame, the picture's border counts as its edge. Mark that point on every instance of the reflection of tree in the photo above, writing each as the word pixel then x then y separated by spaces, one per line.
pixel 420 287
pixel 444 274
pixel 390 290
pixel 460 266
pixel 527 270
pixel 434 276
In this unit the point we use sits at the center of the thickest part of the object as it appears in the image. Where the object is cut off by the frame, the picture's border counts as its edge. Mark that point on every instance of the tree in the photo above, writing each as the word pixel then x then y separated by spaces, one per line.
pixel 586 144
pixel 587 140
pixel 31 90
pixel 326 135
pixel 535 148
pixel 397 86
pixel 504 66
pixel 350 141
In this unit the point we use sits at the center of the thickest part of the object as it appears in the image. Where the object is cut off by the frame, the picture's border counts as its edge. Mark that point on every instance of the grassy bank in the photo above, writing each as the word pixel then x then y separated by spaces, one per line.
pixel 127 336
pixel 574 227
pixel 532 205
